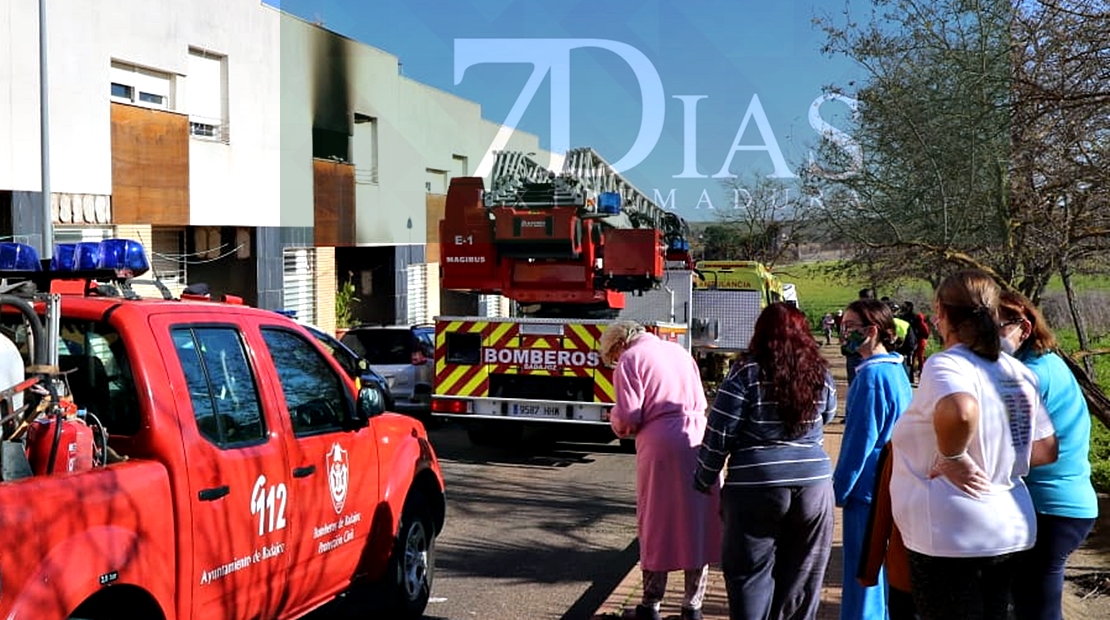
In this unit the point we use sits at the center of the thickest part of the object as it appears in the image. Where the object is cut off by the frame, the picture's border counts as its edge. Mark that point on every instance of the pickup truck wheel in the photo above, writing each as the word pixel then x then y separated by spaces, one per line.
pixel 412 565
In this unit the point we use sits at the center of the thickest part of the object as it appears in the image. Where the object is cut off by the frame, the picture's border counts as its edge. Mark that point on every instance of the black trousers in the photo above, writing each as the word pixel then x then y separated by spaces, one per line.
pixel 964 588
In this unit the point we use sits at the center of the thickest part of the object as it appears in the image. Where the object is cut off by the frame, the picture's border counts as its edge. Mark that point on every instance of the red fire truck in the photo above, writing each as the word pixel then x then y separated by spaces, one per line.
pixel 567 247
pixel 194 459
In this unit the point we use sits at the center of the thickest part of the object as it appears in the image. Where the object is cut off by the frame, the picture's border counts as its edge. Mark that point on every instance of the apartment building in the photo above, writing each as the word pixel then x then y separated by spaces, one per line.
pixel 384 148
pixel 247 148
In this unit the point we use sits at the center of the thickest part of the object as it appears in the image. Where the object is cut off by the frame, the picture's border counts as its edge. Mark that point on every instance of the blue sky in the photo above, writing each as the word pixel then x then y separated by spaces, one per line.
pixel 726 50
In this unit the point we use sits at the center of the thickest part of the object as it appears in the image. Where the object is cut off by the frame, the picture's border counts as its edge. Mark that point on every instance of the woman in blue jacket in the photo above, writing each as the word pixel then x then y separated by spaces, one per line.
pixel 1063 497
pixel 878 395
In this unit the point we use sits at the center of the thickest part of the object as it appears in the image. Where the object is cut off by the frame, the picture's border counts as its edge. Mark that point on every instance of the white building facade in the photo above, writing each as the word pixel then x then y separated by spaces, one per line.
pixel 348 102
pixel 246 147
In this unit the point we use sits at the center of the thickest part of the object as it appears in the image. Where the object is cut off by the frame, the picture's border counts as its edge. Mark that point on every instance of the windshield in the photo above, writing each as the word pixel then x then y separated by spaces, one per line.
pixel 381 346
pixel 333 346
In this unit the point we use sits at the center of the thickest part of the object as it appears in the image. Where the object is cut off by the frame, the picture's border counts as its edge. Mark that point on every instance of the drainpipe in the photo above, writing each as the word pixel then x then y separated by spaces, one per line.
pixel 47 251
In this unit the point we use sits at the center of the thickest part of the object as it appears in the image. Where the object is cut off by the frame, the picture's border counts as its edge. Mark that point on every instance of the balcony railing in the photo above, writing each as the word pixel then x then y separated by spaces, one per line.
pixel 367 175
pixel 214 129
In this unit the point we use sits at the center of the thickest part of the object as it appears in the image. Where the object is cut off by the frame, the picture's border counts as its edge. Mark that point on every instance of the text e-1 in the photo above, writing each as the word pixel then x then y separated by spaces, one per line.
pixel 461 240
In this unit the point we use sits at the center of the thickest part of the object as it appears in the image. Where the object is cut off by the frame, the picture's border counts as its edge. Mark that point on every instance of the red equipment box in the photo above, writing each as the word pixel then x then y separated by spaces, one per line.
pixel 633 255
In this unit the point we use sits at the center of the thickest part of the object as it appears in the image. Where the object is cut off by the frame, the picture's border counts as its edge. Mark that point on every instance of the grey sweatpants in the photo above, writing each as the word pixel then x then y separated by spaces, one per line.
pixel 775 548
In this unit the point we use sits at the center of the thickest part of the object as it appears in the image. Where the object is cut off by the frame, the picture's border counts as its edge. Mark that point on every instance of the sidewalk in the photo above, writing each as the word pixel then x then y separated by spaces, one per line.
pixel 1091 559
pixel 715 607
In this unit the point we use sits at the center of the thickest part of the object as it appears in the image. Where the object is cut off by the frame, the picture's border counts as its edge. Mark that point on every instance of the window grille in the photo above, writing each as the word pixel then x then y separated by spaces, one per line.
pixel 299 273
pixel 417 284
pixel 167 255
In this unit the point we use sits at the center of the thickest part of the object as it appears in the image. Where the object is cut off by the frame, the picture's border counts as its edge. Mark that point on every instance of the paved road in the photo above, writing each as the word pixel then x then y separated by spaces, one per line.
pixel 545 535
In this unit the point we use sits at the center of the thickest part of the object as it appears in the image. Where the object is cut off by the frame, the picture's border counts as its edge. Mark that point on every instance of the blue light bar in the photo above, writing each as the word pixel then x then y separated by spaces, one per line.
pixel 609 202
pixel 680 245
pixel 289 313
pixel 126 257
pixel 86 256
pixel 19 257
pixel 63 257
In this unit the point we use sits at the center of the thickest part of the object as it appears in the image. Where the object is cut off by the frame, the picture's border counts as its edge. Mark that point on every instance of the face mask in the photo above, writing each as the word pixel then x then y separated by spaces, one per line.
pixel 854 341
pixel 1007 345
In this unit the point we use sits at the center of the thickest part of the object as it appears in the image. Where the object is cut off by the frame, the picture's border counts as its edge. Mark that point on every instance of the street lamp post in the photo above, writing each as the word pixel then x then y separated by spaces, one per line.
pixel 44 135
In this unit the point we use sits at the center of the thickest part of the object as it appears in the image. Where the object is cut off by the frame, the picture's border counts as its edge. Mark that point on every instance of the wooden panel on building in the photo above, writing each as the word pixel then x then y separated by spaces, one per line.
pixel 334 197
pixel 434 205
pixel 150 166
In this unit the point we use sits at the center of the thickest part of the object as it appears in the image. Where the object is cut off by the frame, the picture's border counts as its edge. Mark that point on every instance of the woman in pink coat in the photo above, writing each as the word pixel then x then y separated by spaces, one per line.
pixel 660 401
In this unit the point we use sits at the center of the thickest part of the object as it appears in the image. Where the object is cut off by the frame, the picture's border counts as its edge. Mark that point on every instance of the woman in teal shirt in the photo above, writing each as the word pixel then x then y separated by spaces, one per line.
pixel 1064 499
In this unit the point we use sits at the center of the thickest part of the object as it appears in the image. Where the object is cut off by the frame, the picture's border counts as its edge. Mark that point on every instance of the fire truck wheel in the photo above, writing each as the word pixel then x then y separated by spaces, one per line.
pixel 412 565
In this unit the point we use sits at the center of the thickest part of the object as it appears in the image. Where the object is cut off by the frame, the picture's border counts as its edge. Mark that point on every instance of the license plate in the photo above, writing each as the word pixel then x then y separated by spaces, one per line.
pixel 536 411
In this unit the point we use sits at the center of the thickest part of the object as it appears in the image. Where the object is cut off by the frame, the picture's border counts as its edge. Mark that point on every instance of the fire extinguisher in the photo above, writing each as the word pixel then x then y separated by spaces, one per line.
pixel 60 443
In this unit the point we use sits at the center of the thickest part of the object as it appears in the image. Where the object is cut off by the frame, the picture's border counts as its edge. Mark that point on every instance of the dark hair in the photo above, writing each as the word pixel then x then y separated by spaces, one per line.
pixel 790 361
pixel 969 299
pixel 867 293
pixel 1013 305
pixel 197 288
pixel 877 313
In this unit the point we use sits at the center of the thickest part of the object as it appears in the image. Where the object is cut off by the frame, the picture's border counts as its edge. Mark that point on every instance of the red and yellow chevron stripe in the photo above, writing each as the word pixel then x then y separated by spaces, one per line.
pixel 454 379
pixel 603 386
pixel 467 379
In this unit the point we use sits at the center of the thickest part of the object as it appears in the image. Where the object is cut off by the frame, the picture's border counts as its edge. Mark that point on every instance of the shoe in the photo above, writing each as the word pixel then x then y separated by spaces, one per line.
pixel 644 612
pixel 691 614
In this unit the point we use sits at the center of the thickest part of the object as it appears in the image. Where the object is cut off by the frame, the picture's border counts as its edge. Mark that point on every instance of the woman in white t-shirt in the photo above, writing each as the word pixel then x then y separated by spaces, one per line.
pixel 972 430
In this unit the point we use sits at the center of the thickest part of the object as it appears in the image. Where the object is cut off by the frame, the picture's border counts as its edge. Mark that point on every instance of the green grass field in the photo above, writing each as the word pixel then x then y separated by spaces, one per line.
pixel 821 291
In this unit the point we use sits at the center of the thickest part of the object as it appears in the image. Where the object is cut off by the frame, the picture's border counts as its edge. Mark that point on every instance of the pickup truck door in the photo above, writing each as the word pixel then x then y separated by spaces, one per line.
pixel 334 491
pixel 239 475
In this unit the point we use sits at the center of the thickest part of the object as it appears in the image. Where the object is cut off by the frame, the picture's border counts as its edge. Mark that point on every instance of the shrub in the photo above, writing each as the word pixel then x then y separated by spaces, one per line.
pixel 1100 456
pixel 344 305
pixel 1100 435
pixel 1093 304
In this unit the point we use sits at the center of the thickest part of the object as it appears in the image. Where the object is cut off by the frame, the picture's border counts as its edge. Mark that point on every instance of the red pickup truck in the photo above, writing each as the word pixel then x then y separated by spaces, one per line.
pixel 243 478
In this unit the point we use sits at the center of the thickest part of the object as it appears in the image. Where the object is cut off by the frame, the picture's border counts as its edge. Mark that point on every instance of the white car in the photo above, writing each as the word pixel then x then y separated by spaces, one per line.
pixel 404 355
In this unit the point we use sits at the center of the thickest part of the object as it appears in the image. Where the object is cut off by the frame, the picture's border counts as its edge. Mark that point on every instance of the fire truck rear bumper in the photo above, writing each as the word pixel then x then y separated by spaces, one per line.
pixel 510 409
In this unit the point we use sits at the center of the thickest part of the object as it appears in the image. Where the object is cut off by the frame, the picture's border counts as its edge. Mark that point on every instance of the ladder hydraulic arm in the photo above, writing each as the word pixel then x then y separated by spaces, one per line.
pixel 578 237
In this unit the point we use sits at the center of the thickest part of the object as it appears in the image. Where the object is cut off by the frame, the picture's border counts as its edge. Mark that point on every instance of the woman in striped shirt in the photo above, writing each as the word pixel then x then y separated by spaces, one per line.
pixel 777 502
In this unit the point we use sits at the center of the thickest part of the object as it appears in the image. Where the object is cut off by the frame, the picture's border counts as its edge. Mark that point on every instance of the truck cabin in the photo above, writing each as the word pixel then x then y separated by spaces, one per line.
pixel 726 275
pixel 78 355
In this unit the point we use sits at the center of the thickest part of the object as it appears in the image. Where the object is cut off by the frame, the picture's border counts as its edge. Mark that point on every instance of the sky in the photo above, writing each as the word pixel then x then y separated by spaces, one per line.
pixel 746 59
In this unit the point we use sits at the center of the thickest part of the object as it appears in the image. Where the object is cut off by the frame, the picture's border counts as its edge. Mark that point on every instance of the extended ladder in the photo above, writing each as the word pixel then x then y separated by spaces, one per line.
pixel 590 169
pixel 517 180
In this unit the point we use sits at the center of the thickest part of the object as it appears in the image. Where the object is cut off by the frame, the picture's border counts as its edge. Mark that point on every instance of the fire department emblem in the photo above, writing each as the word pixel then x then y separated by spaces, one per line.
pixel 337 476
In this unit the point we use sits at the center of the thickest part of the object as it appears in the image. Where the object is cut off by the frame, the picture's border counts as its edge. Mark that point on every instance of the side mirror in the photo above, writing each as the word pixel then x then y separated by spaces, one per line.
pixel 363 365
pixel 371 402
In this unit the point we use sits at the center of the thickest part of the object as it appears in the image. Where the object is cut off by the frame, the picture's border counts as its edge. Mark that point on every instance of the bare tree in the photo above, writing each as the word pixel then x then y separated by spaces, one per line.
pixel 932 187
pixel 985 135
pixel 1060 189
pixel 763 221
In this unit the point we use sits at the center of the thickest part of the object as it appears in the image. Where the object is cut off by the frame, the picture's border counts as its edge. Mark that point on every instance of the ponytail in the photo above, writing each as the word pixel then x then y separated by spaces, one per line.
pixel 970 300
pixel 985 341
